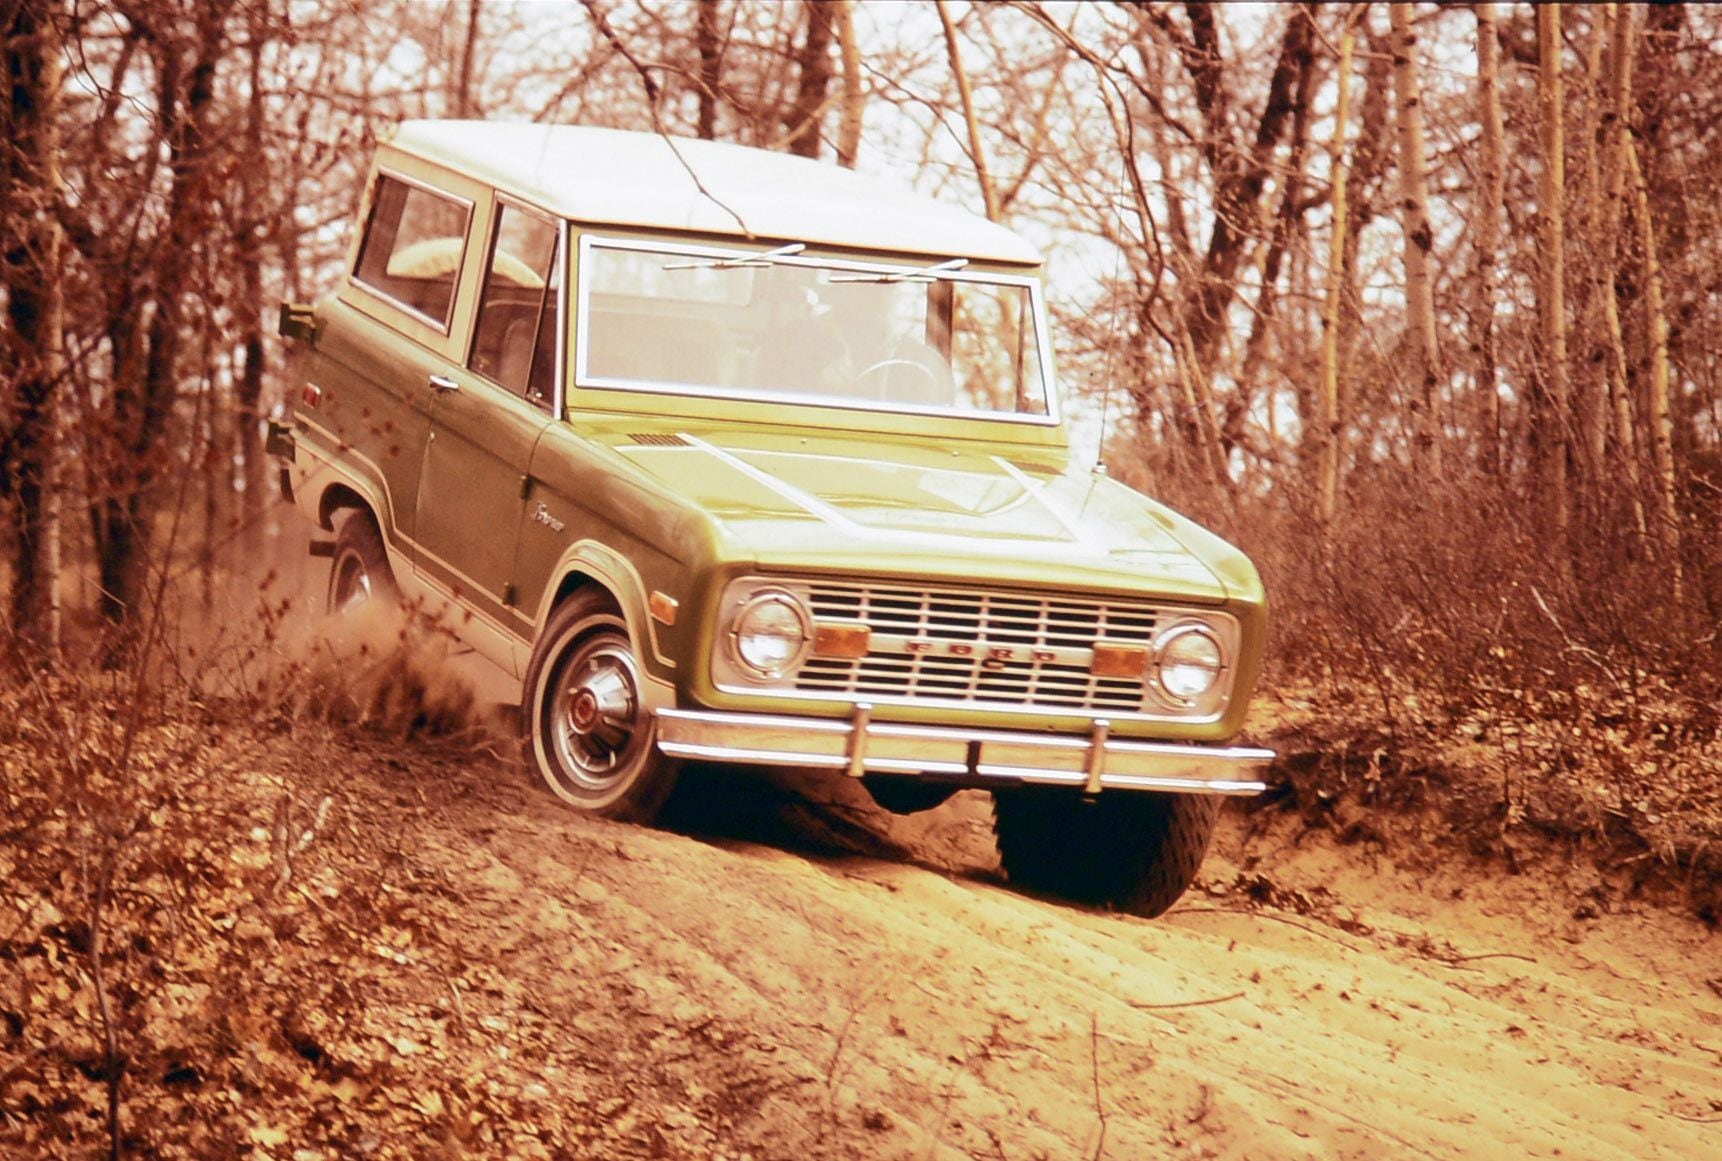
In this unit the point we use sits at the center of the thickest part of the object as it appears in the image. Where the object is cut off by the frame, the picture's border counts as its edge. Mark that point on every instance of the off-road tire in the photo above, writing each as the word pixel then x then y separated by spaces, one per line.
pixel 589 734
pixel 359 569
pixel 1137 852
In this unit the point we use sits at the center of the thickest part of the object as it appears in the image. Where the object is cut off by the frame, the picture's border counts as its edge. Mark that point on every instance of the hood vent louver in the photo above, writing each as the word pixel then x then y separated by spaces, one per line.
pixel 658 439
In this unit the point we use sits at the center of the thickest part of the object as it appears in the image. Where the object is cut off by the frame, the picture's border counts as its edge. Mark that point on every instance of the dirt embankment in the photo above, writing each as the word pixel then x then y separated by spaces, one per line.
pixel 454 966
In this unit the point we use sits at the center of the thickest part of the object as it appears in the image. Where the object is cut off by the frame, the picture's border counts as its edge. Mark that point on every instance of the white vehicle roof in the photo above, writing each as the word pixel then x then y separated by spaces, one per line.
pixel 616 177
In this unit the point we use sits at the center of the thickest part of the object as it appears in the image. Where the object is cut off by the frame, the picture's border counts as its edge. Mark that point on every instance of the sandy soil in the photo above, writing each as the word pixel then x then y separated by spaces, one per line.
pixel 753 986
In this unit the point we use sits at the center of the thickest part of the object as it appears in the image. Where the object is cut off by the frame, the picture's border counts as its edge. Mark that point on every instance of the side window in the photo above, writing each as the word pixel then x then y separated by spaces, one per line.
pixel 515 340
pixel 413 247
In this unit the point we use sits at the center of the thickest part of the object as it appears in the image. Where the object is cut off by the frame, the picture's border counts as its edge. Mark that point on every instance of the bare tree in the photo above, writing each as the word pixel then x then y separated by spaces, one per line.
pixel 1486 232
pixel 1614 127
pixel 1551 397
pixel 709 39
pixel 1661 435
pixel 1419 238
pixel 854 88
pixel 977 148
pixel 1329 431
pixel 32 358
pixel 805 117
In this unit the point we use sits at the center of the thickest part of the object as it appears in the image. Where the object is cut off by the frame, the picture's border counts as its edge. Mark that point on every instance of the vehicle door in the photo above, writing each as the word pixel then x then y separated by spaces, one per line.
pixel 406 272
pixel 486 418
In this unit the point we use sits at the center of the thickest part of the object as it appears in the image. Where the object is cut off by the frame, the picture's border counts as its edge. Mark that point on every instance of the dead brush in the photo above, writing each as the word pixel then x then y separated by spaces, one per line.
pixel 384 669
pixel 1439 630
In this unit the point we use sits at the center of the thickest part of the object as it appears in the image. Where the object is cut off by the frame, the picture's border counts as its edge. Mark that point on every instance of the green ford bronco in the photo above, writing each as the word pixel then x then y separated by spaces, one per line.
pixel 722 455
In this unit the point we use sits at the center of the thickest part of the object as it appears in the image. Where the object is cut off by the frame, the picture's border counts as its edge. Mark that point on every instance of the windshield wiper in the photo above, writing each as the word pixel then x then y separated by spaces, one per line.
pixel 737 258
pixel 924 274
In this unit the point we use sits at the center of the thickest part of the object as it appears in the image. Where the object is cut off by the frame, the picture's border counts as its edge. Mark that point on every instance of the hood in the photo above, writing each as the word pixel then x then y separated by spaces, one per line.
pixel 803 498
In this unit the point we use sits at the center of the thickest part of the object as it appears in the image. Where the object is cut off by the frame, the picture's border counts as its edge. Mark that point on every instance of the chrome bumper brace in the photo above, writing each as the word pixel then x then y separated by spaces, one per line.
pixel 970 757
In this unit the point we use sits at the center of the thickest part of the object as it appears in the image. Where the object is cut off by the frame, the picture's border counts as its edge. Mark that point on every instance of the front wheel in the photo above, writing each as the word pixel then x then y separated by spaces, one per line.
pixel 1137 851
pixel 590 733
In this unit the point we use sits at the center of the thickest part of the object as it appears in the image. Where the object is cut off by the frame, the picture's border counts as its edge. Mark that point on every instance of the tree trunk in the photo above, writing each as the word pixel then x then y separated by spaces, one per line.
pixel 813 66
pixel 35 306
pixel 1613 193
pixel 1661 425
pixel 854 89
pixel 144 396
pixel 468 48
pixel 248 311
pixel 1487 234
pixel 1551 396
pixel 1590 387
pixel 1419 238
pixel 977 149
pixel 709 41
pixel 1331 423
pixel 1240 175
pixel 1289 214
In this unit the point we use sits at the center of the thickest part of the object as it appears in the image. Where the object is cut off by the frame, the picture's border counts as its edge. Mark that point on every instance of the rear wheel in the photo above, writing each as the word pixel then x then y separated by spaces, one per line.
pixel 591 736
pixel 359 572
pixel 1135 851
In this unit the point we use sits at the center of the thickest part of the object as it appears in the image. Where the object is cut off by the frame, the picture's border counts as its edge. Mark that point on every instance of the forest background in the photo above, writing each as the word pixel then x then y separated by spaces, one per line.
pixel 1416 303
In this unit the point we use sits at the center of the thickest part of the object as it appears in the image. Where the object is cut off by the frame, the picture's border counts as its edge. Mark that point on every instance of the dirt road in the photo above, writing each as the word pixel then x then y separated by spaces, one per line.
pixel 752 988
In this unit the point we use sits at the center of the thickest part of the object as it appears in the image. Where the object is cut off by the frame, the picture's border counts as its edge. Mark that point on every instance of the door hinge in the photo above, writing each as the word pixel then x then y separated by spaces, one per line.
pixel 525 486
pixel 508 594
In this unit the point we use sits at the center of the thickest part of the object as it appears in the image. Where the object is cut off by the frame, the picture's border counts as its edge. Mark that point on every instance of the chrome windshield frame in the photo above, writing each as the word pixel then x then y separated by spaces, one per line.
pixel 584 381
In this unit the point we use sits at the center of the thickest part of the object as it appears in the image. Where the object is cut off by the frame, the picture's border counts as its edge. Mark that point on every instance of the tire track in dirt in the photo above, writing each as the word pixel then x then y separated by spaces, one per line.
pixel 889 1009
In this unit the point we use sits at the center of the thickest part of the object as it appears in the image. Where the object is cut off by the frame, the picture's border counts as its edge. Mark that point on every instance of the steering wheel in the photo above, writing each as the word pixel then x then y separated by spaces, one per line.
pixel 932 390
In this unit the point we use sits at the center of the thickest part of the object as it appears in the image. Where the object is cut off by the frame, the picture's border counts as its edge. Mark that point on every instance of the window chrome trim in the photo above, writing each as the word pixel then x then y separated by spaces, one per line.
pixel 1043 335
pixel 444 328
pixel 559 388
pixel 503 201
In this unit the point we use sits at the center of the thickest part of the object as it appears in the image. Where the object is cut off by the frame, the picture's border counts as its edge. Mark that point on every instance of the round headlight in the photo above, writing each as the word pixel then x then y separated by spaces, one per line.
pixel 1190 663
pixel 771 634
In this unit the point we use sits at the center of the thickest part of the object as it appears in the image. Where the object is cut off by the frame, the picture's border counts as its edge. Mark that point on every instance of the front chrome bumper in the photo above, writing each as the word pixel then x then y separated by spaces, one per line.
pixel 969 757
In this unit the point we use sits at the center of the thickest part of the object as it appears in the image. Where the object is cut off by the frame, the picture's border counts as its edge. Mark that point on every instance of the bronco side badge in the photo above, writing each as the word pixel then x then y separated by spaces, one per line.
pixel 543 516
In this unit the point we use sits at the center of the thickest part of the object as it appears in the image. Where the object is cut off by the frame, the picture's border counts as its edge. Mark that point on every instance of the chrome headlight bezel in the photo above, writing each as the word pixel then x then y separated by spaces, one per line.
pixel 754 601
pixel 1172 645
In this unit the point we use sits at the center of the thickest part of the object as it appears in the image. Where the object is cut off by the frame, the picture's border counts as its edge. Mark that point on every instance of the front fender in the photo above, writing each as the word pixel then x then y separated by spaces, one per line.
pixel 596 562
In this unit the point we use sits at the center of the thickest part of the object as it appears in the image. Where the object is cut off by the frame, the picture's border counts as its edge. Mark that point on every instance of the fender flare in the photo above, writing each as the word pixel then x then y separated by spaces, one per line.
pixel 594 562
pixel 350 470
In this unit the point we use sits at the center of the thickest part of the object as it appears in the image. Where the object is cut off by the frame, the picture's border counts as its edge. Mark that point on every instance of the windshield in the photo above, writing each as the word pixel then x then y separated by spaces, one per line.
pixel 777 324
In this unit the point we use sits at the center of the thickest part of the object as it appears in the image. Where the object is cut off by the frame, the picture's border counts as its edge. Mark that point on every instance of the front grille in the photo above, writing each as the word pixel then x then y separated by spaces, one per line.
pixel 1061 630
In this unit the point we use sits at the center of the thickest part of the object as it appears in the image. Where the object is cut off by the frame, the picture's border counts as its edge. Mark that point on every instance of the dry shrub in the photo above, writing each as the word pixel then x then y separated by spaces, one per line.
pixel 160 828
pixel 386 668
pixel 1445 649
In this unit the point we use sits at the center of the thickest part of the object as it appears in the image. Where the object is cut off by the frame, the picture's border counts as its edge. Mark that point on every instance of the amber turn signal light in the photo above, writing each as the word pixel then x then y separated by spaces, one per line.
pixel 1118 660
pixel 841 640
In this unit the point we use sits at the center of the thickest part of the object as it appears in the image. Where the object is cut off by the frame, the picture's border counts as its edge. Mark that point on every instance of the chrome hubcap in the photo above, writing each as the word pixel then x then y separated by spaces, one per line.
pixel 596 716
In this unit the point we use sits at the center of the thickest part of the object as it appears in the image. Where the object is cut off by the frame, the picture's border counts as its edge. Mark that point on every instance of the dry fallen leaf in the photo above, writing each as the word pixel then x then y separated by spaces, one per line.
pixel 267 1136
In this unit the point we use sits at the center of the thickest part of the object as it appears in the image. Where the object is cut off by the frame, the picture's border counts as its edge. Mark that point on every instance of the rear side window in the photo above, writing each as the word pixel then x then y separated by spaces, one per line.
pixel 514 342
pixel 413 247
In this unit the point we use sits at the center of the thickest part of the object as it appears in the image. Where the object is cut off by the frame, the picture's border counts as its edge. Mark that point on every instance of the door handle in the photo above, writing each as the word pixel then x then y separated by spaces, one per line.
pixel 442 384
